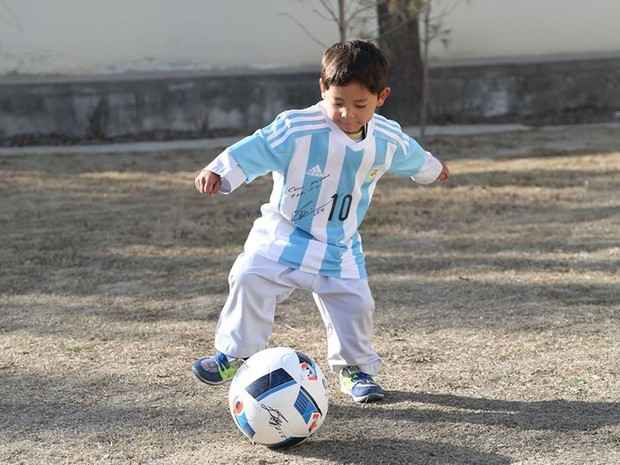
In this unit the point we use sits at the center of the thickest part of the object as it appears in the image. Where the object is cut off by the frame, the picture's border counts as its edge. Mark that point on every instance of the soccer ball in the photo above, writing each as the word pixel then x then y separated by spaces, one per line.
pixel 278 397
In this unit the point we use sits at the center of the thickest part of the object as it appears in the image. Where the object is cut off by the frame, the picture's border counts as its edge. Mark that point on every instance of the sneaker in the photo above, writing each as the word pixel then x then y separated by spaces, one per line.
pixel 359 385
pixel 217 369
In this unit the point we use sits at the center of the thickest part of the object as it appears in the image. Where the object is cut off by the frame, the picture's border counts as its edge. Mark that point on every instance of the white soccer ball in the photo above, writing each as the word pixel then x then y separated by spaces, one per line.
pixel 278 397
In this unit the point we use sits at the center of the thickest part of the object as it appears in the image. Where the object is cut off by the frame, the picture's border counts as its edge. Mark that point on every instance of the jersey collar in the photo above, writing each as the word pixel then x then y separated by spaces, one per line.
pixel 340 134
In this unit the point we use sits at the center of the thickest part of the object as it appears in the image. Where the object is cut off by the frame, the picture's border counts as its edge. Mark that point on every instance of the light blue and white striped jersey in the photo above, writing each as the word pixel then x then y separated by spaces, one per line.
pixel 323 182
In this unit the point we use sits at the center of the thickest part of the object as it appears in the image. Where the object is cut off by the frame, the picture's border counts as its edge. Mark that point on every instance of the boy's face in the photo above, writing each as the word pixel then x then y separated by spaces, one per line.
pixel 351 106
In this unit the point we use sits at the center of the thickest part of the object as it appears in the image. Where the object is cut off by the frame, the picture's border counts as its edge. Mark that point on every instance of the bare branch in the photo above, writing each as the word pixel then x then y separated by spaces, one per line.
pixel 445 12
pixel 318 12
pixel 435 29
pixel 360 10
pixel 330 10
pixel 304 28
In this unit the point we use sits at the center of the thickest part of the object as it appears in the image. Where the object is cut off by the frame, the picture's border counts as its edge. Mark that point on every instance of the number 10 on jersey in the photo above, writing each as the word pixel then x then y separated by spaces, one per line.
pixel 343 209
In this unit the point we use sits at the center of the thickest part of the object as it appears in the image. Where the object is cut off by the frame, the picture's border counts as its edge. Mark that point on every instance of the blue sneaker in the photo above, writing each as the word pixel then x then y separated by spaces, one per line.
pixel 218 369
pixel 359 385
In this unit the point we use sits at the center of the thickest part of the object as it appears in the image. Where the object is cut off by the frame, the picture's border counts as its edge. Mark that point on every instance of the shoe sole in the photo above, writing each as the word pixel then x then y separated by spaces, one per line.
pixel 369 398
pixel 365 399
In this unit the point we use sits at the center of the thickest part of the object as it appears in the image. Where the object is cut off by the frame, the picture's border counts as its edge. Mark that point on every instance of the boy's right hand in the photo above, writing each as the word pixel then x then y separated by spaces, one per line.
pixel 443 176
pixel 207 182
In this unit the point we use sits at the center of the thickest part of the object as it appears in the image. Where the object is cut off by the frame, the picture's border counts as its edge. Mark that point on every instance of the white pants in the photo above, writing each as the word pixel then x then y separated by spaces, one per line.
pixel 257 284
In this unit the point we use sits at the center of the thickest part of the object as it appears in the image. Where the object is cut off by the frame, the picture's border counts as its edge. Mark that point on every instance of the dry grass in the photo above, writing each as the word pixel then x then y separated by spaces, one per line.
pixel 498 310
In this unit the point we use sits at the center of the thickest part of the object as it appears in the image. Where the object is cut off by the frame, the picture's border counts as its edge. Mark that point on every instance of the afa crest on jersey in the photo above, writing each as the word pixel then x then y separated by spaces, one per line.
pixel 373 174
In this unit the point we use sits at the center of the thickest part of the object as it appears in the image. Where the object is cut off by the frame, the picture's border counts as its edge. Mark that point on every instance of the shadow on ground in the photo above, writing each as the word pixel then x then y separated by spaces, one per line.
pixel 38 404
pixel 550 415
pixel 393 451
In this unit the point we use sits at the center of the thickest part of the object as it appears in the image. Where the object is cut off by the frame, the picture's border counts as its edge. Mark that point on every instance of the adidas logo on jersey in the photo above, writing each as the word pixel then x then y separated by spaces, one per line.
pixel 315 171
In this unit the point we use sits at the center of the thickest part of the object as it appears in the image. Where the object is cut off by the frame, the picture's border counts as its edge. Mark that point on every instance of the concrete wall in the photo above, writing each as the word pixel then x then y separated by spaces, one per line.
pixel 193 105
pixel 146 107
pixel 568 91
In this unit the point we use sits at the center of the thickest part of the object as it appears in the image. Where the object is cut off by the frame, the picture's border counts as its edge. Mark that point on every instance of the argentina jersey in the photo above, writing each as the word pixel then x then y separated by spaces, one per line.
pixel 323 182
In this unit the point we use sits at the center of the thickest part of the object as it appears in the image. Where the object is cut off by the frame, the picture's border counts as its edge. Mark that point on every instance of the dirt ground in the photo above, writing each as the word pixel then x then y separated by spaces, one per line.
pixel 498 310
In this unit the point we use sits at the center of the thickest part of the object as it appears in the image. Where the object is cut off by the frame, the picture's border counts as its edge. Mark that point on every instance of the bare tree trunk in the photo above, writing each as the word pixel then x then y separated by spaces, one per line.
pixel 425 67
pixel 342 21
pixel 399 37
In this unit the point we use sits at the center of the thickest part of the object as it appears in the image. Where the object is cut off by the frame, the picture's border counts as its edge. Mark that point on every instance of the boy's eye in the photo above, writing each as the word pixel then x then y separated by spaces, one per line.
pixel 360 106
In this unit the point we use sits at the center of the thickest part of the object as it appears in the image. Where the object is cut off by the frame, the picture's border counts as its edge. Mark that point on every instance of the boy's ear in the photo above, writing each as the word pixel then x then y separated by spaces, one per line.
pixel 322 87
pixel 383 95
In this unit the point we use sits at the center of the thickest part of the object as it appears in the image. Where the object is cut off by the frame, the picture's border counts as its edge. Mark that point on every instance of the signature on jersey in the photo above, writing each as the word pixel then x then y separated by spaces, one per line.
pixel 306 210
pixel 298 191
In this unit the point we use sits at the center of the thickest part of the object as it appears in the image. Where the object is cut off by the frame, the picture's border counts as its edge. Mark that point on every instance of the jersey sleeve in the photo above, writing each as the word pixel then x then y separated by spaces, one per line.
pixel 411 160
pixel 251 157
pixel 230 173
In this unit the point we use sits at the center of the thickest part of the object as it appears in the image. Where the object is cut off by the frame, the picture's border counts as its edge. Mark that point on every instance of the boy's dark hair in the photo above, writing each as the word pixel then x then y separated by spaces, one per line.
pixel 355 60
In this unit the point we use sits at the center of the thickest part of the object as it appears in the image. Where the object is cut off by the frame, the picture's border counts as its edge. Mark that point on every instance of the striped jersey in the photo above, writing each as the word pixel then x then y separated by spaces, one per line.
pixel 323 182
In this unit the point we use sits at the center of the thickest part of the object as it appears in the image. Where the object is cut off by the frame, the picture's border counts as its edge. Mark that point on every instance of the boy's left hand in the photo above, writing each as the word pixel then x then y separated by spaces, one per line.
pixel 443 176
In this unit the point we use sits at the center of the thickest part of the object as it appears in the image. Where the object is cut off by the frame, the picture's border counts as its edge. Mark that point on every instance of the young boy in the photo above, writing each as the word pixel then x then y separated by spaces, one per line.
pixel 325 161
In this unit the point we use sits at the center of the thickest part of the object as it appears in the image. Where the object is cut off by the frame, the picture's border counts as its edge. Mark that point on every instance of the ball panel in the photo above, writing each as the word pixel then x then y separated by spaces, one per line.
pixel 315 384
pixel 306 405
pixel 270 383
pixel 244 425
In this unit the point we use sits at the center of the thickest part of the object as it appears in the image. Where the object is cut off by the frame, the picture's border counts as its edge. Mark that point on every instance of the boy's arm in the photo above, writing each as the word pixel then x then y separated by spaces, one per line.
pixel 432 170
pixel 222 175
pixel 244 161
pixel 411 160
